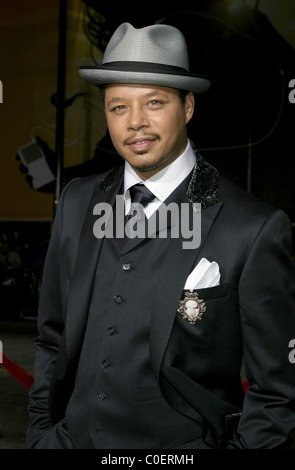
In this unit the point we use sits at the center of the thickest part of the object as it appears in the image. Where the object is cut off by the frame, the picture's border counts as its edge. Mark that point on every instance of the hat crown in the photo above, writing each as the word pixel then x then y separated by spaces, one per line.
pixel 161 44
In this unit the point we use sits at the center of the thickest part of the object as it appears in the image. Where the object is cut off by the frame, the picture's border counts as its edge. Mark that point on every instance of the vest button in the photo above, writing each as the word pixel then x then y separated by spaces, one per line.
pixel 105 363
pixel 126 266
pixel 118 299
pixel 101 396
pixel 111 331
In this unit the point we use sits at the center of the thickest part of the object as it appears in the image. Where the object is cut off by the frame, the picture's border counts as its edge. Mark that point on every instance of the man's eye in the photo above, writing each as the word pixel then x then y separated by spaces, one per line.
pixel 118 108
pixel 155 103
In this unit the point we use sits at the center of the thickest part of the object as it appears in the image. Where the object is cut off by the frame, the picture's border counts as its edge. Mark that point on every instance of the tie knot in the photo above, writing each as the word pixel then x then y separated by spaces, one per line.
pixel 141 194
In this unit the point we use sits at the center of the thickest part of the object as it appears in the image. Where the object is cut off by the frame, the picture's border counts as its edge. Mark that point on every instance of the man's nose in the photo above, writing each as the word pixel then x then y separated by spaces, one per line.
pixel 137 119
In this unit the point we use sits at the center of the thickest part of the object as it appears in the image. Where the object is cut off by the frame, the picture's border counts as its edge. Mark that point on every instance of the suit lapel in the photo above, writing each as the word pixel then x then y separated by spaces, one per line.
pixel 178 264
pixel 203 189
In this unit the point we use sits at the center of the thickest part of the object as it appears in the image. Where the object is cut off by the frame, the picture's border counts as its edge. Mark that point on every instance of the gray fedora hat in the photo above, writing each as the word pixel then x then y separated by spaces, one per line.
pixel 154 55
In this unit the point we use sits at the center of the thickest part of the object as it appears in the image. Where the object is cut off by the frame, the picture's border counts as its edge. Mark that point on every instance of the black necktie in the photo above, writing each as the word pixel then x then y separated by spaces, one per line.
pixel 141 194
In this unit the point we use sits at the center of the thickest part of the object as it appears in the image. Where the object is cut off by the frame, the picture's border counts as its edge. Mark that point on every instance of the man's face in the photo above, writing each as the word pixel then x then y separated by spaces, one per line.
pixel 147 125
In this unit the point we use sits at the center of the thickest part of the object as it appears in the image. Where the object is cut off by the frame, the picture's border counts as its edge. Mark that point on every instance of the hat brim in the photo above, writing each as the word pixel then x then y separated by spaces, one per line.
pixel 111 74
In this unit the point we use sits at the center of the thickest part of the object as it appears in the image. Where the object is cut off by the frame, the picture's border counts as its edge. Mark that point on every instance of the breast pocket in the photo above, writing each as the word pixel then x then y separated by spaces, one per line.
pixel 216 292
pixel 197 305
pixel 193 303
pixel 194 341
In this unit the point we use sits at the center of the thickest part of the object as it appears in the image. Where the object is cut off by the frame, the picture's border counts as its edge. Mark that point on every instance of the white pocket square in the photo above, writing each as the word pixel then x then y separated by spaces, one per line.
pixel 205 274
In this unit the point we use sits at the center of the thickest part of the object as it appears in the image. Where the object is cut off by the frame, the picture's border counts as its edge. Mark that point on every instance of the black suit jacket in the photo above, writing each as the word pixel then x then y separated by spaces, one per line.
pixel 250 315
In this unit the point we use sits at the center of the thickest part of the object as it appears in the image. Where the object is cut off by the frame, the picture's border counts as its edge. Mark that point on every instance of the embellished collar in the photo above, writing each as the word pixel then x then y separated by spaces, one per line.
pixel 202 188
pixel 204 183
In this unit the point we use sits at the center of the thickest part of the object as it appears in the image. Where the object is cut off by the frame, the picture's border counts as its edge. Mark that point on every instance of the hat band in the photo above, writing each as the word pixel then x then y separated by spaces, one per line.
pixel 146 67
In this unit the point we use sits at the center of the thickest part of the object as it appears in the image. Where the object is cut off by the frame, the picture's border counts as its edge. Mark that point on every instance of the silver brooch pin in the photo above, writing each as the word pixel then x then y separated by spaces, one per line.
pixel 191 307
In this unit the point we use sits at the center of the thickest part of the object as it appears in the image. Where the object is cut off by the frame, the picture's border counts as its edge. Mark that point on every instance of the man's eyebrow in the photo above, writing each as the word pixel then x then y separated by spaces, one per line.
pixel 152 93
pixel 155 93
pixel 149 94
pixel 116 99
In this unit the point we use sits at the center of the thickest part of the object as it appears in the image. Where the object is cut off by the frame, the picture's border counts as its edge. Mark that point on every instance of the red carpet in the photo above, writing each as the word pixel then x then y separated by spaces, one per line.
pixel 17 373
pixel 245 385
pixel 27 380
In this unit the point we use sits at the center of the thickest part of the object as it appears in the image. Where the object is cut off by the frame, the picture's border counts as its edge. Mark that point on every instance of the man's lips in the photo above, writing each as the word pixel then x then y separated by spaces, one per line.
pixel 142 142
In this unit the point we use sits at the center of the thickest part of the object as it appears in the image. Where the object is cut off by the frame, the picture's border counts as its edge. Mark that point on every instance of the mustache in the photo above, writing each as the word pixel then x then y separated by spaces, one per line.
pixel 135 137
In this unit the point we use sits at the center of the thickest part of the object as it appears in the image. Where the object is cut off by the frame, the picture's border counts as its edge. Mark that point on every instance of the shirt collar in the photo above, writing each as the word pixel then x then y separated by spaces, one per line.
pixel 164 182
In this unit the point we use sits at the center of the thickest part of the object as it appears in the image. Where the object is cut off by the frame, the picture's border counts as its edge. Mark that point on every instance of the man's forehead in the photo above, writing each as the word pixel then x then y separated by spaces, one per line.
pixel 116 91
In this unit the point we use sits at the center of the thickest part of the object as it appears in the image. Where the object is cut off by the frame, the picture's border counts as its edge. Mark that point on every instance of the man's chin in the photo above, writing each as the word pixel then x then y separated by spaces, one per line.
pixel 140 165
pixel 146 168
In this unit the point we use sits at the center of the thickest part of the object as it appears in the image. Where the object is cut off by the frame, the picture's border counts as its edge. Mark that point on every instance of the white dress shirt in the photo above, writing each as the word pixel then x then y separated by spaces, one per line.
pixel 162 183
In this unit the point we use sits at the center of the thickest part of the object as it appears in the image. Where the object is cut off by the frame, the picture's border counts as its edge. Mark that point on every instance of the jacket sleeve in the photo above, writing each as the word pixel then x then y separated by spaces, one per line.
pixel 267 306
pixel 41 433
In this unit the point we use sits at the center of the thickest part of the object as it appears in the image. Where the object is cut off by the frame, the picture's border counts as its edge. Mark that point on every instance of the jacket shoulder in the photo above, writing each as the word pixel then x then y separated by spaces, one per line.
pixel 75 199
pixel 79 190
pixel 239 200
pixel 242 210
pixel 83 184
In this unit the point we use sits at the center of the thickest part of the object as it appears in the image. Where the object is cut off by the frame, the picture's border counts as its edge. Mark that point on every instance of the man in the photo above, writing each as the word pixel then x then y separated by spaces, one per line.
pixel 141 339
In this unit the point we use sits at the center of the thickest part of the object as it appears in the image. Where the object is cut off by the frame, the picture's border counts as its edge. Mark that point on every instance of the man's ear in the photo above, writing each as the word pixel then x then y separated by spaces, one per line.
pixel 189 106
